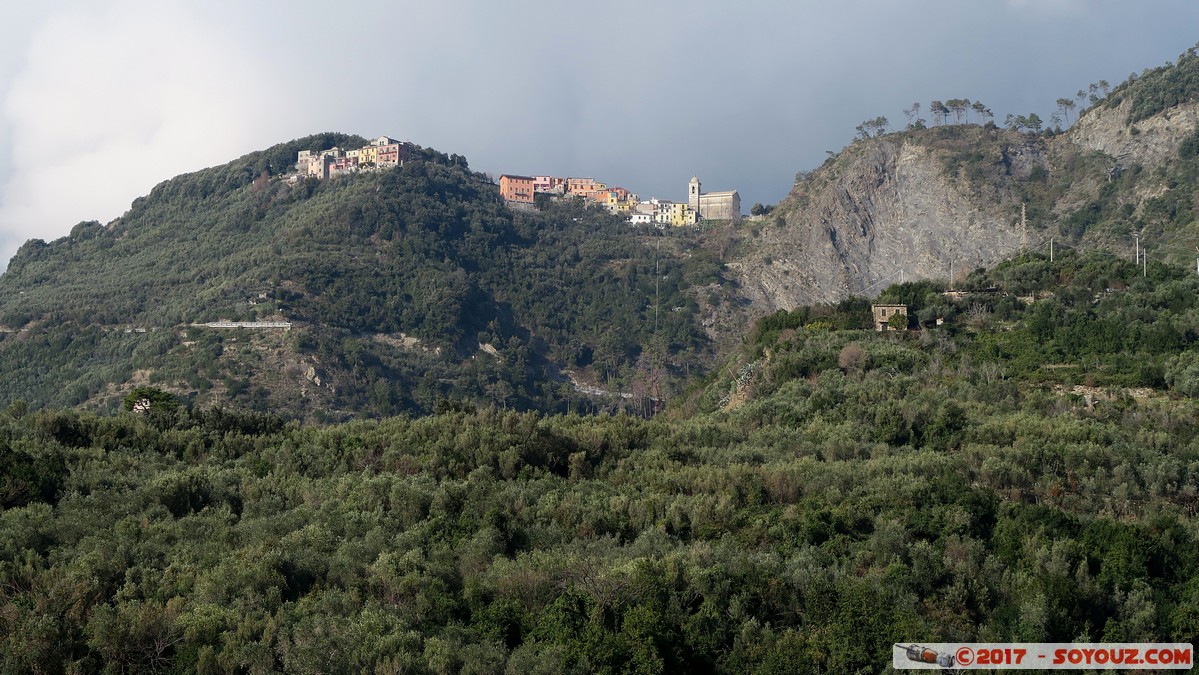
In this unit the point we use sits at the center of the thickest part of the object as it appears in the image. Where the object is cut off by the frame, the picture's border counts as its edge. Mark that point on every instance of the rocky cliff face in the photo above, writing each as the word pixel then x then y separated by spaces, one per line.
pixel 887 210
pixel 1150 142
pixel 931 203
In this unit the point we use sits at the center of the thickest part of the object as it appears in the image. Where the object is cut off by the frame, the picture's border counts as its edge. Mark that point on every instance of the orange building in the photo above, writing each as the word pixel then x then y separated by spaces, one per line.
pixel 620 193
pixel 517 188
pixel 584 187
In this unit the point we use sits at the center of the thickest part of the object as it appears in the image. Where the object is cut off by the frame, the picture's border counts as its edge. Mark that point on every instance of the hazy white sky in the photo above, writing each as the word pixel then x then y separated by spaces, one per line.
pixel 102 99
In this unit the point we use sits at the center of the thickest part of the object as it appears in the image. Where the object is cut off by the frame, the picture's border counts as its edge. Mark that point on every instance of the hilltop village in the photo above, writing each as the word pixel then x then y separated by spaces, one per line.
pixel 520 191
pixel 700 205
pixel 382 153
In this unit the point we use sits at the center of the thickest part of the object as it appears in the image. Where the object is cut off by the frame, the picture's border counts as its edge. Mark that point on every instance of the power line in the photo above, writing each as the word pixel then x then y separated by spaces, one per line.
pixel 1180 249
pixel 1142 255
pixel 883 280
pixel 1176 233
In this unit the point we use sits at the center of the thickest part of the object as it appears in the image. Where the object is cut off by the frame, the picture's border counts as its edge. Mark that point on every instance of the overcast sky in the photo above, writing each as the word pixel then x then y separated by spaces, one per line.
pixel 102 99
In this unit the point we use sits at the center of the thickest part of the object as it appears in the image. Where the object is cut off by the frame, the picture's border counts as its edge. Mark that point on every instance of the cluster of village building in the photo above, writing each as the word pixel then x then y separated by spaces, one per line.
pixel 381 153
pixel 521 190
pixel 385 152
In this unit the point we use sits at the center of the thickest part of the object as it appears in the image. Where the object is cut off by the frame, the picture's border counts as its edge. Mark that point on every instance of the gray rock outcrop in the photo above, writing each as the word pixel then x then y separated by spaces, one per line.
pixel 885 211
pixel 1149 142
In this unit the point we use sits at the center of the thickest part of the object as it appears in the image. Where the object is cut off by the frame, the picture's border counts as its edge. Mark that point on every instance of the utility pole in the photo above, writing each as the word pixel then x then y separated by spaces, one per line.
pixel 951 274
pixel 1145 269
pixel 1051 249
pixel 1023 227
pixel 657 280
pixel 1138 244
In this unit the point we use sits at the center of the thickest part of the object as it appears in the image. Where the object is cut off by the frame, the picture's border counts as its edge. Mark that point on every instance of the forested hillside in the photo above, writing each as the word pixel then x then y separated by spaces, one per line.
pixel 1087 321
pixel 1027 469
pixel 405 288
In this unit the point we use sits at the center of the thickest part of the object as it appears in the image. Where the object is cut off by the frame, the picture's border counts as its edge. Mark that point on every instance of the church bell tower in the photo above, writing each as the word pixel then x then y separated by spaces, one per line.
pixel 693 194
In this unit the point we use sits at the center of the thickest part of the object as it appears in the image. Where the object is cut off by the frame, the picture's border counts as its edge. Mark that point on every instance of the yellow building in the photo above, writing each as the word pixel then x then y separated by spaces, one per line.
pixel 368 155
pixel 681 214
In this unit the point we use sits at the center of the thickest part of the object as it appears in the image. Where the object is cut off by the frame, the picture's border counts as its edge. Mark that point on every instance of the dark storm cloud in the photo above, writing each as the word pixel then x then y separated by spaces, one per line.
pixel 644 95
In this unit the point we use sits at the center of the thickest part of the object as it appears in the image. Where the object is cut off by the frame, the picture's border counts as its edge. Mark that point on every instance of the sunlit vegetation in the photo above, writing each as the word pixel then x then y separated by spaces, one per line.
pixel 1158 89
pixel 1019 472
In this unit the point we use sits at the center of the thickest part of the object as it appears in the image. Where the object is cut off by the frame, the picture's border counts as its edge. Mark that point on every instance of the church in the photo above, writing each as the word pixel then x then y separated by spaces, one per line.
pixel 713 205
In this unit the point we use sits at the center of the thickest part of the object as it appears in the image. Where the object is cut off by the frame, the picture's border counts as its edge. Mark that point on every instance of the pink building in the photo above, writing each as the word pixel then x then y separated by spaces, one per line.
pixel 343 165
pixel 549 184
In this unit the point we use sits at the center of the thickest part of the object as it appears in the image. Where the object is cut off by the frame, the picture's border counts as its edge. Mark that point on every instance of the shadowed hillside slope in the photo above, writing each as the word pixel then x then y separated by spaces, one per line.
pixel 404 287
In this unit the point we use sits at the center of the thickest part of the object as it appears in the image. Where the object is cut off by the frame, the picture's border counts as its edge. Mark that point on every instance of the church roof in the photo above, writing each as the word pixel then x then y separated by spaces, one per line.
pixel 725 193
